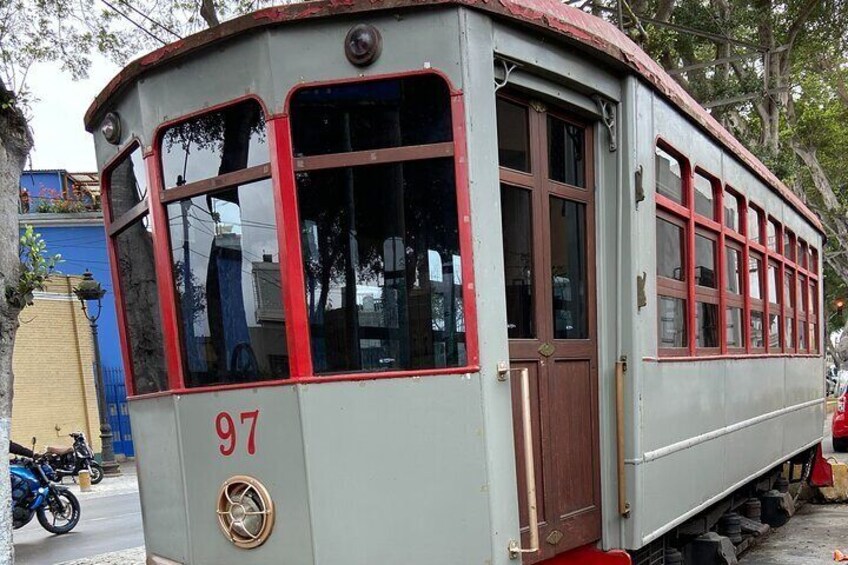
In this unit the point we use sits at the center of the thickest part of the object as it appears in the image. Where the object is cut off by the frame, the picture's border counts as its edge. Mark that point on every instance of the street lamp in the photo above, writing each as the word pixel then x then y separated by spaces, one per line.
pixel 90 294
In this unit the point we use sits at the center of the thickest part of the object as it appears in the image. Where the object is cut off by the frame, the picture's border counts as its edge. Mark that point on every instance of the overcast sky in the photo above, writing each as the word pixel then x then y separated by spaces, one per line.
pixel 61 141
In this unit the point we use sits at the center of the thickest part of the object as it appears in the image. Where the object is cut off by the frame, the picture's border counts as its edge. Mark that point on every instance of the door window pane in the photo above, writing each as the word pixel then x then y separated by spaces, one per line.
pixel 731 212
pixel 704 197
pixel 705 271
pixel 140 297
pixel 566 155
pixel 127 184
pixel 671 322
pixel 706 325
pixel 516 214
pixel 734 329
pixel 382 266
pixel 377 114
pixel 754 221
pixel 669 176
pixel 755 277
pixel 774 331
pixel 733 270
pixel 757 335
pixel 513 136
pixel 670 245
pixel 215 143
pixel 227 274
pixel 568 269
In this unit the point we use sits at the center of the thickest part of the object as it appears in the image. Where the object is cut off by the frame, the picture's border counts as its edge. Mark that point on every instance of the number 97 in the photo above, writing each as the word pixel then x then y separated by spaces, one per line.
pixel 225 427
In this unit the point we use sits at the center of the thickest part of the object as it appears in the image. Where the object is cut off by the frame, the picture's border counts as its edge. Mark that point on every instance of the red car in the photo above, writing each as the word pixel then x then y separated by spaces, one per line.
pixel 839 425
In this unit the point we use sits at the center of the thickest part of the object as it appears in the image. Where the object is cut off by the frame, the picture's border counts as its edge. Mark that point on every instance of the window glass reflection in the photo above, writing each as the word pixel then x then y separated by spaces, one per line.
pixel 731 212
pixel 513 136
pixel 568 269
pixel 518 261
pixel 215 143
pixel 704 197
pixel 774 331
pixel 755 277
pixel 227 273
pixel 671 322
pixel 127 184
pixel 705 271
pixel 706 325
pixel 733 270
pixel 669 176
pixel 382 267
pixel 670 245
pixel 140 297
pixel 566 155
pixel 754 220
pixel 734 327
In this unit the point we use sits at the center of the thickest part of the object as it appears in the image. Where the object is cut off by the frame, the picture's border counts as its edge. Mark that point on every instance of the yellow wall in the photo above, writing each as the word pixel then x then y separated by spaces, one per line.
pixel 54 377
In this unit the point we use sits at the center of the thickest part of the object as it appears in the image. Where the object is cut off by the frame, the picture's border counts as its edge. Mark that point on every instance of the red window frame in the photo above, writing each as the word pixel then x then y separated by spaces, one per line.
pixel 282 173
pixel 788 254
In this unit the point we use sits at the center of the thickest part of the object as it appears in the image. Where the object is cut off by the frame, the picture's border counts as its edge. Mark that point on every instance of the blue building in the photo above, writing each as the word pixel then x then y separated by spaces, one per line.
pixel 65 209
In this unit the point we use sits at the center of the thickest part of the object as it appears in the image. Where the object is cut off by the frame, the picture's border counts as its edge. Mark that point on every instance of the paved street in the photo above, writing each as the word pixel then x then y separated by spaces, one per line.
pixel 111 521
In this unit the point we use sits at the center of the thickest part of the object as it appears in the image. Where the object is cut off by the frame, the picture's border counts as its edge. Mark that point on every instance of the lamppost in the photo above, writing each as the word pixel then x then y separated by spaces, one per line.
pixel 89 291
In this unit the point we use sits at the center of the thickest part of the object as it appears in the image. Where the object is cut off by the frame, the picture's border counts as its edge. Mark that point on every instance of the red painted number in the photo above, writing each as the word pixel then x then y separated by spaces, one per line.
pixel 225 426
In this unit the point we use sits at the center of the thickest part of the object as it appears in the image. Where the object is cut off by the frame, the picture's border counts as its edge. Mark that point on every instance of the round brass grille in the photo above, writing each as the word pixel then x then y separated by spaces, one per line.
pixel 245 511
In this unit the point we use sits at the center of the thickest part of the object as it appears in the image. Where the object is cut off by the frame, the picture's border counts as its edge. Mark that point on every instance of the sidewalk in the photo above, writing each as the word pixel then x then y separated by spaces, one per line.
pixel 809 538
pixel 125 483
pixel 134 556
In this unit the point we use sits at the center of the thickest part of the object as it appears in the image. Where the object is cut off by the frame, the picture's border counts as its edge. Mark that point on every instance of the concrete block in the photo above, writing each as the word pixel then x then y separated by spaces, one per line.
pixel 839 491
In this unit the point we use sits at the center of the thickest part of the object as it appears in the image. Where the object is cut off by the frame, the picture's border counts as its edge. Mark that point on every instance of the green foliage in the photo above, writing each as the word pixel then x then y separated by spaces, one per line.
pixel 36 267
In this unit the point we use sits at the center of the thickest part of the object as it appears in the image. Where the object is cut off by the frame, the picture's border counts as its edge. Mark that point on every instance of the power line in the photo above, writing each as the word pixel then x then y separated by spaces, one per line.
pixel 149 19
pixel 133 22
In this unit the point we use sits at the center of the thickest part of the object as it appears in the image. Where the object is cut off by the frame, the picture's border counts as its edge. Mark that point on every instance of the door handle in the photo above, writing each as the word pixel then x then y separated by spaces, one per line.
pixel 514 547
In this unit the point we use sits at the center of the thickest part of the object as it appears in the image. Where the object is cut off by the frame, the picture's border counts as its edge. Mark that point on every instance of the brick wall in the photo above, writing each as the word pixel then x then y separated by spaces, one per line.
pixel 53 364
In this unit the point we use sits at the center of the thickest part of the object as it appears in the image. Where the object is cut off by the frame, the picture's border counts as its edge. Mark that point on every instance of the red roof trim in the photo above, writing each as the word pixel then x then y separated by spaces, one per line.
pixel 548 14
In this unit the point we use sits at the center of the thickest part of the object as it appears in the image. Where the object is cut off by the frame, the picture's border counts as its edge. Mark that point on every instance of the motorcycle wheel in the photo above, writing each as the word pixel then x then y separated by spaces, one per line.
pixel 60 513
pixel 96 473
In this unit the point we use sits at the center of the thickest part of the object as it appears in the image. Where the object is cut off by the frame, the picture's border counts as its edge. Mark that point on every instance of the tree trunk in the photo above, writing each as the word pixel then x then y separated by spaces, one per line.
pixel 15 144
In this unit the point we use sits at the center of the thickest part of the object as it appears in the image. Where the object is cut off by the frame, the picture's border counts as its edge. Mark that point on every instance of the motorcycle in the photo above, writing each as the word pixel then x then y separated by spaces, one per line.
pixel 33 494
pixel 69 461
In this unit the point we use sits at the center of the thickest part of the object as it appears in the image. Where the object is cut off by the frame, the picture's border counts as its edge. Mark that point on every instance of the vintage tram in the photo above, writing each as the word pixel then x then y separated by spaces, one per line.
pixel 448 282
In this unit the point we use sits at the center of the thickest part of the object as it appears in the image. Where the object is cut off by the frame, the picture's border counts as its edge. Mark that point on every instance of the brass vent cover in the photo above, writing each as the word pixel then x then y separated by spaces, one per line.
pixel 245 511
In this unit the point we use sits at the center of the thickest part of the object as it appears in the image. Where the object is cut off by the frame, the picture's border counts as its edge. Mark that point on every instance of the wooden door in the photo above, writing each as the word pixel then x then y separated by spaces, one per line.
pixel 547 202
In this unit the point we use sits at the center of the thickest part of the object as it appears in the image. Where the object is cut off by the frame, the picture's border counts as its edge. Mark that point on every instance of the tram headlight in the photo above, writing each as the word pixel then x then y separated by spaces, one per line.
pixel 111 128
pixel 363 44
pixel 245 511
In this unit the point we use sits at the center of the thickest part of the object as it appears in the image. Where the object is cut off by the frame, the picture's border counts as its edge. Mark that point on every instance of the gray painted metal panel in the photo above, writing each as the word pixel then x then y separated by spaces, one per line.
pixel 397 471
pixel 481 131
pixel 278 463
pixel 160 477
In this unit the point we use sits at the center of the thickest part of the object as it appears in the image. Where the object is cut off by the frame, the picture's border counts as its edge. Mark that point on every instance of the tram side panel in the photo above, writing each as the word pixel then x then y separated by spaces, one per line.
pixel 706 427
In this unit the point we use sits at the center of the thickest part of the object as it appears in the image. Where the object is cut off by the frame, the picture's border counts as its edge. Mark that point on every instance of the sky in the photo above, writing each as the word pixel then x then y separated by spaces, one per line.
pixel 61 141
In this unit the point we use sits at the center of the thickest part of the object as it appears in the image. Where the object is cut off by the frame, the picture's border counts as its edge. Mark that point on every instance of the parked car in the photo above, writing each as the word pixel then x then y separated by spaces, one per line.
pixel 839 424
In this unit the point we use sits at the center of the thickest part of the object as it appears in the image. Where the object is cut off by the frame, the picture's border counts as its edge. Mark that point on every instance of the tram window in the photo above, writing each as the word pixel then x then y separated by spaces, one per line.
pixel 814 260
pixel 774 332
pixel 566 153
pixel 734 329
pixel 127 184
pixel 670 245
pixel 733 271
pixel 755 277
pixel 226 267
pixel 382 266
pixel 704 196
pixel 789 245
pixel 706 325
pixel 671 314
pixel 771 236
pixel 669 176
pixel 731 211
pixel 705 266
pixel 361 116
pixel 757 335
pixel 773 282
pixel 513 136
pixel 803 254
pixel 789 287
pixel 218 142
pixel 517 223
pixel 755 220
pixel 568 269
pixel 140 301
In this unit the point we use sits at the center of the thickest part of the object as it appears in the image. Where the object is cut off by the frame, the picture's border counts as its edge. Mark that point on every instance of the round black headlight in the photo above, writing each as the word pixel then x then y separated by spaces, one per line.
pixel 363 44
pixel 111 128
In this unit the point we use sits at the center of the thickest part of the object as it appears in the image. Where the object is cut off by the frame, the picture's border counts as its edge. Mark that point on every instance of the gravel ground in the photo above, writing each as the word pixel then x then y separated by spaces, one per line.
pixel 134 556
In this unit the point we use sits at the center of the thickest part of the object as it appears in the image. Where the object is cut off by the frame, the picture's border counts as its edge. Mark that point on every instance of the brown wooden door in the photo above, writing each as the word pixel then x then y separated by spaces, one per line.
pixel 547 201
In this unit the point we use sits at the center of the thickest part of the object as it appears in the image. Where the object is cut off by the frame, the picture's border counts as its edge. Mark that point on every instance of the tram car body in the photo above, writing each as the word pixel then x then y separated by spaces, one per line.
pixel 339 230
